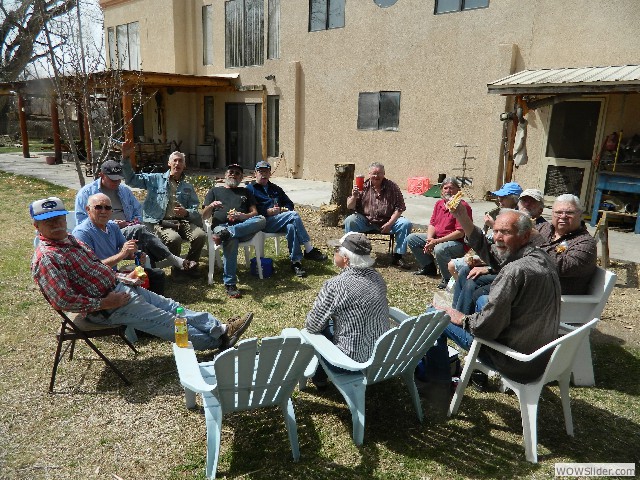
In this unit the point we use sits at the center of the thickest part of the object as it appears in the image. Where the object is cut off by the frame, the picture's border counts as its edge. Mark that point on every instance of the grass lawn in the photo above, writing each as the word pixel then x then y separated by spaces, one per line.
pixel 95 427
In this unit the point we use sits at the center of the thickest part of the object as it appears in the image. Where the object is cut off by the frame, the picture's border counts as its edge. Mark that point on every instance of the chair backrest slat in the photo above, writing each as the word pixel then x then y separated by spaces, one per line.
pixel 600 287
pixel 565 351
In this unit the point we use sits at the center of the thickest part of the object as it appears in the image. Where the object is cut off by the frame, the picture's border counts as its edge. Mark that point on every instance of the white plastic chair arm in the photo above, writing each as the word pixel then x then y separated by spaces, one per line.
pixel 332 354
pixel 580 298
pixel 189 370
pixel 290 332
pixel 397 315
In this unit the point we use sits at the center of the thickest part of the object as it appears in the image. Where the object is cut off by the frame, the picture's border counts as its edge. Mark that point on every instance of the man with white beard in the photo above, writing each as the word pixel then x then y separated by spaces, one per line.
pixel 523 306
pixel 234 219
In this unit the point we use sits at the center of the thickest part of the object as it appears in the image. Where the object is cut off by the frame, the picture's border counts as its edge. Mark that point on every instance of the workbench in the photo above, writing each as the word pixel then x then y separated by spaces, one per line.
pixel 616 182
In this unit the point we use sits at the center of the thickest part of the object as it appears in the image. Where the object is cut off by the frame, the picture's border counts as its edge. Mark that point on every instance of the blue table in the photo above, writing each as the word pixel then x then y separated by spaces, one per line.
pixel 617 182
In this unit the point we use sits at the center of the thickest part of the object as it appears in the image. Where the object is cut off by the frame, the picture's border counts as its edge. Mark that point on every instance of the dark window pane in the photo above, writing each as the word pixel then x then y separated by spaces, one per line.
pixel 368 111
pixel 389 116
pixel 572 130
pixel 443 6
pixel 317 15
pixel 273 125
pixel 336 13
pixel 471 4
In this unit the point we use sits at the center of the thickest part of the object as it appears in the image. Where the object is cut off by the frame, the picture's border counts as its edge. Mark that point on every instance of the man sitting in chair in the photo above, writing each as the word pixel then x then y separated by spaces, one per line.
pixel 277 208
pixel 352 308
pixel 74 279
pixel 234 218
pixel 523 308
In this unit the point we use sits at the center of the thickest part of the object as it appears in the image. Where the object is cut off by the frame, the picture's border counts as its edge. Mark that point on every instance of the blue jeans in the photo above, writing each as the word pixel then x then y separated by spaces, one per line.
pixel 467 290
pixel 239 233
pixel 438 367
pixel 443 252
pixel 400 230
pixel 297 235
pixel 155 315
pixel 147 242
pixel 481 302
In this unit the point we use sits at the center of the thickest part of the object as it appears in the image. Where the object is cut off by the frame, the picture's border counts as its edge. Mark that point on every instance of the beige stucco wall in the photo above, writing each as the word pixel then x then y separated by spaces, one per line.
pixel 441 64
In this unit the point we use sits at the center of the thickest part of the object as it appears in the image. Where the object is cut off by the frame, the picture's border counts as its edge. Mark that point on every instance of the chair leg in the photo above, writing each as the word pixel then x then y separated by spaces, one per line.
pixel 56 360
pixel 106 360
pixel 563 383
pixel 529 397
pixel 213 417
pixel 276 241
pixel 409 381
pixel 354 395
pixel 292 427
pixel 469 365
pixel 583 365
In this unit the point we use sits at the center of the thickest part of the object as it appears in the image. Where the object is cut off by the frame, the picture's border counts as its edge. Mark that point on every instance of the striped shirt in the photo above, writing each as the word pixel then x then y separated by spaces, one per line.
pixel 356 301
pixel 378 207
pixel 71 276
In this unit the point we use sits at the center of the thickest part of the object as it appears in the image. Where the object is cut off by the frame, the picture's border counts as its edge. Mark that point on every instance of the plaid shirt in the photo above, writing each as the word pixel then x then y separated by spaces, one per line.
pixel 71 276
pixel 356 301
pixel 378 207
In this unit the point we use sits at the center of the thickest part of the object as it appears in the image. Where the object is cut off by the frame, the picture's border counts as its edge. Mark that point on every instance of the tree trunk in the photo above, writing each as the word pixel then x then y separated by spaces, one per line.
pixel 329 215
pixel 342 186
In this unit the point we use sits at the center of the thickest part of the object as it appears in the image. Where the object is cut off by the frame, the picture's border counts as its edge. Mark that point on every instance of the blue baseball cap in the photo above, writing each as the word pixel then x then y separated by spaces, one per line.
pixel 47 208
pixel 511 188
pixel 263 164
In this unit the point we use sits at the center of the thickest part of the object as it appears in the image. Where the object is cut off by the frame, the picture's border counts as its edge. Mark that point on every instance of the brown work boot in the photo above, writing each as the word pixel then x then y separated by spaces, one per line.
pixel 235 328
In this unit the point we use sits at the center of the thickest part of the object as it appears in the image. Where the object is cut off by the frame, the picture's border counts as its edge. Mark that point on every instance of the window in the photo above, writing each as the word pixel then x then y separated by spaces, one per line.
pixel 326 14
pixel 273 125
pixel 446 6
pixel 207 35
pixel 273 35
pixel 385 3
pixel 573 128
pixel 379 111
pixel 124 46
pixel 244 33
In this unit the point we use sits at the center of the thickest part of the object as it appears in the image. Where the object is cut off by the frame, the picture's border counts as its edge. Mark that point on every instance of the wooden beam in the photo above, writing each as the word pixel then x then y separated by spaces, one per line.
pixel 23 127
pixel 127 113
pixel 264 124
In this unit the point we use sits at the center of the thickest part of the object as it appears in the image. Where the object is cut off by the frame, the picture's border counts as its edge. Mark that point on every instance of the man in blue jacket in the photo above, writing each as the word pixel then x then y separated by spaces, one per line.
pixel 274 204
pixel 171 207
pixel 126 212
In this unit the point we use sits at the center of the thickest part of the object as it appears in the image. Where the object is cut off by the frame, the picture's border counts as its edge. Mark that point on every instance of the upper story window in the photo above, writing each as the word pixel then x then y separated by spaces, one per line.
pixel 379 111
pixel 124 46
pixel 244 33
pixel 273 34
pixel 446 6
pixel 326 14
pixel 207 35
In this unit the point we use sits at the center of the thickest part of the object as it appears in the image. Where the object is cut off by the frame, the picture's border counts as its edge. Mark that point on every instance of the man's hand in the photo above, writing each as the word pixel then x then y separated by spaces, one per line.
pixel 129 249
pixel 180 211
pixel 456 316
pixel 386 228
pixel 273 211
pixel 429 245
pixel 114 300
pixel 488 220
pixel 478 271
pixel 127 149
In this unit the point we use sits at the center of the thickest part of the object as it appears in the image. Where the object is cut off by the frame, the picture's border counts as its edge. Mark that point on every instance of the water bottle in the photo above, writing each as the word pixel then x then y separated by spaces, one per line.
pixel 182 335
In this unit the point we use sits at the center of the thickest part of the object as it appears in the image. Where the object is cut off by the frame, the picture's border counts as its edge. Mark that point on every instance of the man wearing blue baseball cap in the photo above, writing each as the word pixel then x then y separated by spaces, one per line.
pixel 274 204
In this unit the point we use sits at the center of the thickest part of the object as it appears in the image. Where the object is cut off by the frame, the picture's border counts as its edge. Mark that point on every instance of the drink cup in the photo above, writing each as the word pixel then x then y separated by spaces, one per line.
pixel 360 182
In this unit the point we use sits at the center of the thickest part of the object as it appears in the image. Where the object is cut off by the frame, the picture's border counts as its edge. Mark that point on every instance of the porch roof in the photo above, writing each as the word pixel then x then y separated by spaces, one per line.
pixel 574 80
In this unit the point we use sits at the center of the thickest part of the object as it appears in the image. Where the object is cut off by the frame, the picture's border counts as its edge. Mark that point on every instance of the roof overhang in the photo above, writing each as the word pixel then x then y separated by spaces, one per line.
pixel 558 81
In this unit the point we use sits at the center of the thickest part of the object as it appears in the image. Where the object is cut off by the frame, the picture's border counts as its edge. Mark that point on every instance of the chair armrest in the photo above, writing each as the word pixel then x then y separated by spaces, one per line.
pixel 580 298
pixel 509 352
pixel 332 354
pixel 290 332
pixel 189 370
pixel 397 316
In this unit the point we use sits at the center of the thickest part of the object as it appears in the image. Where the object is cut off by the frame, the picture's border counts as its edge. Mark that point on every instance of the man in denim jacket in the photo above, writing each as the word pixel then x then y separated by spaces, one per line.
pixel 171 206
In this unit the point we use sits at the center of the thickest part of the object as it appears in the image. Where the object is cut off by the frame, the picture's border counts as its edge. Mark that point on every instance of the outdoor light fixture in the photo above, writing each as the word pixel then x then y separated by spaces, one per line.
pixel 270 77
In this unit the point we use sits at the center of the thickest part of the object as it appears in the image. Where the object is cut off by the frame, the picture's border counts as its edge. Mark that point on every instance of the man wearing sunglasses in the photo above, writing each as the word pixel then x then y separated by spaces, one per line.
pixel 234 218
pixel 126 212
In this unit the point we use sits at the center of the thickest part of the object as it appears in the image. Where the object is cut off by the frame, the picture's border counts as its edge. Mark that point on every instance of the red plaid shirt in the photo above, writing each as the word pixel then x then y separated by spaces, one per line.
pixel 70 275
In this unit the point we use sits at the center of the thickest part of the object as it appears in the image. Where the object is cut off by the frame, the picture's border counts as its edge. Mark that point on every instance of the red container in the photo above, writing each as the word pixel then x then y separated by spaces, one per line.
pixel 360 182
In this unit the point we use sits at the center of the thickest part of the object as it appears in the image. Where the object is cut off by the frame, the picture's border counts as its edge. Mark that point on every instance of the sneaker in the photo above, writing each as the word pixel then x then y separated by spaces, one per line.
pixel 315 255
pixel 298 270
pixel 220 236
pixel 232 291
pixel 443 284
pixel 428 270
pixel 236 326
pixel 400 263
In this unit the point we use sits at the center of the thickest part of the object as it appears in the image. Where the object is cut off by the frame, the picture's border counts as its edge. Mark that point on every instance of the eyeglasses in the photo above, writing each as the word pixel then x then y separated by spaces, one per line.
pixel 567 213
pixel 108 208
pixel 337 248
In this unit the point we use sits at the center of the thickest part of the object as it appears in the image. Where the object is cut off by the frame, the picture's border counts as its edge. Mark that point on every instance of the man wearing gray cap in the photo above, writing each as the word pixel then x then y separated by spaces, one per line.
pixel 126 212
pixel 352 308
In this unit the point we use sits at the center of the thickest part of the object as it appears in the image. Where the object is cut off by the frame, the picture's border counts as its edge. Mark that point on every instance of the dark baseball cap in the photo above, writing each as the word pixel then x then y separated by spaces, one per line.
pixel 357 243
pixel 112 169
pixel 235 166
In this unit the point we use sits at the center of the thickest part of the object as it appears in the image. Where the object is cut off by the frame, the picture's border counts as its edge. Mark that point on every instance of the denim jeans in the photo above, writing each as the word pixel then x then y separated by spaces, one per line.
pixel 443 252
pixel 155 315
pixel 147 242
pixel 467 290
pixel 400 229
pixel 297 235
pixel 239 233
pixel 481 302
pixel 438 367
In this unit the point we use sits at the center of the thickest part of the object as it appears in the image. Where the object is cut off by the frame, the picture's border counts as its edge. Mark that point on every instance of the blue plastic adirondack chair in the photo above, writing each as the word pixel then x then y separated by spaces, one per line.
pixel 395 354
pixel 254 375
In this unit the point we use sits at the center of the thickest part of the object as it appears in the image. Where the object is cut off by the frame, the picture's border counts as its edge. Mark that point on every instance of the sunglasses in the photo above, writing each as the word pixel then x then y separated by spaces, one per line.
pixel 108 208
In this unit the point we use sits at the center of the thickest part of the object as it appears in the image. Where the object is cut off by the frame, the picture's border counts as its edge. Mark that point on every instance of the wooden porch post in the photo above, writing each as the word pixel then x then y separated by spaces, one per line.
pixel 87 144
pixel 23 127
pixel 264 122
pixel 80 122
pixel 55 122
pixel 127 113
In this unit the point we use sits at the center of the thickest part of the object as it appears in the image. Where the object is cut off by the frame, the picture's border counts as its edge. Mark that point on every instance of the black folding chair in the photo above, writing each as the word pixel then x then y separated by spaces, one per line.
pixel 382 237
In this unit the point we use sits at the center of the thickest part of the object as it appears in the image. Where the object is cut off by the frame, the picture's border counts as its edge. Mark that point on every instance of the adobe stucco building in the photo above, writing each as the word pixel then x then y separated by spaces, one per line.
pixel 326 81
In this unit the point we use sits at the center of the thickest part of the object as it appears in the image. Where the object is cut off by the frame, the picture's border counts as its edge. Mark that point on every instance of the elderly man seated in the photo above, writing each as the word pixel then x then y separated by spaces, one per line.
pixel 74 279
pixel 352 308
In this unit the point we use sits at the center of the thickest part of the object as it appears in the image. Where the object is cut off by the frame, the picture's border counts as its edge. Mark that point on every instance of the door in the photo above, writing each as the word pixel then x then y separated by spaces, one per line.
pixel 243 134
pixel 571 146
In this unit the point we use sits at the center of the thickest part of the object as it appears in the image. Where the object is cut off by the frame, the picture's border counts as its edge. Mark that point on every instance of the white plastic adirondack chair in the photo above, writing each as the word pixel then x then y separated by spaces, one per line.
pixel 576 309
pixel 249 377
pixel 395 354
pixel 558 368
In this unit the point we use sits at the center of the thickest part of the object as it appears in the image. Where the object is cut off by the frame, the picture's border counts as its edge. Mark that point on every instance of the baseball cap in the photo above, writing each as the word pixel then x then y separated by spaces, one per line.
pixel 533 193
pixel 112 169
pixel 263 164
pixel 236 166
pixel 511 188
pixel 357 243
pixel 47 208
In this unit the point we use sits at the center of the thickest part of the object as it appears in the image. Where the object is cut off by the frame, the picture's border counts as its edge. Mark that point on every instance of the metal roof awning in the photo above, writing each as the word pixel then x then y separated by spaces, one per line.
pixel 585 80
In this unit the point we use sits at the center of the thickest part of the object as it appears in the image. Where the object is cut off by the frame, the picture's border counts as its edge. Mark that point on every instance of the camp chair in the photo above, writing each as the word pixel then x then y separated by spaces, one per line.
pixel 277 236
pixel 396 354
pixel 564 351
pixel 249 377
